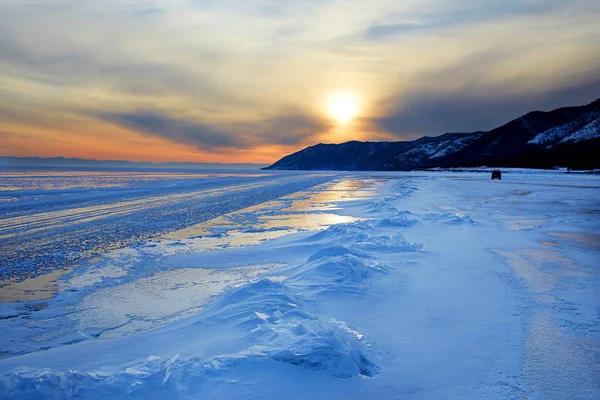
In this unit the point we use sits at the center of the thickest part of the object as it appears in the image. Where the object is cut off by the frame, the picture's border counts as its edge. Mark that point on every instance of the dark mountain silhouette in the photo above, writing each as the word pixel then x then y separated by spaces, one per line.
pixel 569 137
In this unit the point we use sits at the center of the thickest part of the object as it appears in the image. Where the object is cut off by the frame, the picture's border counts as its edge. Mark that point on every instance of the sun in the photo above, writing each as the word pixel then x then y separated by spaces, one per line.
pixel 342 107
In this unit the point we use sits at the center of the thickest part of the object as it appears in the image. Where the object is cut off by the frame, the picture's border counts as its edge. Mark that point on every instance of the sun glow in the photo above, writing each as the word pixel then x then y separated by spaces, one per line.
pixel 342 107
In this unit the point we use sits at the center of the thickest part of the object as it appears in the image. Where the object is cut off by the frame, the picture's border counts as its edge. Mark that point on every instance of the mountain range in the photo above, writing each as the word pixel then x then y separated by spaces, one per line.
pixel 62 162
pixel 566 137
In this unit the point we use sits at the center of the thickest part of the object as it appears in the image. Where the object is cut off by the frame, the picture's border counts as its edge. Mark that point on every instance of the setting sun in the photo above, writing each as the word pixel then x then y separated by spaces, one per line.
pixel 342 107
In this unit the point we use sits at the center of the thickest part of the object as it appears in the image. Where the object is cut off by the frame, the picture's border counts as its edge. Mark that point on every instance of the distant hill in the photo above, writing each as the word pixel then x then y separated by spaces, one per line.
pixel 62 162
pixel 569 137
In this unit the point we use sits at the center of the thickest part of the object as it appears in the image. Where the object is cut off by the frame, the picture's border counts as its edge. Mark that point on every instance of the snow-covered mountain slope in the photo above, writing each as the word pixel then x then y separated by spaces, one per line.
pixel 586 127
pixel 588 132
pixel 428 152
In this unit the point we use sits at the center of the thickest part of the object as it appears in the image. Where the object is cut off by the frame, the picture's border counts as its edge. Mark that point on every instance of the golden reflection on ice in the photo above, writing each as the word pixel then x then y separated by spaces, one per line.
pixel 306 210
pixel 586 240
pixel 325 196
pixel 523 224
pixel 529 263
pixel 304 221
pixel 39 288
pixel 549 351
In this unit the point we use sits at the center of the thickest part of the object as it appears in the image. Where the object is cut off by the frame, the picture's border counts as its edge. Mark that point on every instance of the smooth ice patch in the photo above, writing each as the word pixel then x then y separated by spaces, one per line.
pixel 154 301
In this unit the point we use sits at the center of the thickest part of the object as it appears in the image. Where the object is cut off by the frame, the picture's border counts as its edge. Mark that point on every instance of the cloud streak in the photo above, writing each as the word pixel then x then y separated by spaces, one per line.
pixel 281 130
pixel 227 76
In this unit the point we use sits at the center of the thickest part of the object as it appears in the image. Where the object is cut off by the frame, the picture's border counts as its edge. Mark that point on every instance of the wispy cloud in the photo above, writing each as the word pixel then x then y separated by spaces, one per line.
pixel 471 109
pixel 454 14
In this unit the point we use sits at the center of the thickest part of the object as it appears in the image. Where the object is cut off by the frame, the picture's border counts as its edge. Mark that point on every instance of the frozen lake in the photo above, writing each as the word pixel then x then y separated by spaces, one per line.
pixel 327 285
pixel 53 219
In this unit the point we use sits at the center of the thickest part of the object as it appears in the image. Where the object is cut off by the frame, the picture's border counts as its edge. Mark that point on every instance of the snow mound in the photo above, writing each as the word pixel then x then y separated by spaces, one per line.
pixel 337 250
pixel 255 303
pixel 450 218
pixel 400 190
pixel 403 189
pixel 346 272
pixel 358 234
pixel 381 206
pixel 143 381
pixel 350 232
pixel 277 326
pixel 332 346
pixel 394 243
pixel 312 344
pixel 402 219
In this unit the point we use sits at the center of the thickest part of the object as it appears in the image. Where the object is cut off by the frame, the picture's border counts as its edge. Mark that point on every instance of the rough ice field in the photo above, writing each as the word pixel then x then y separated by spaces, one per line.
pixel 327 285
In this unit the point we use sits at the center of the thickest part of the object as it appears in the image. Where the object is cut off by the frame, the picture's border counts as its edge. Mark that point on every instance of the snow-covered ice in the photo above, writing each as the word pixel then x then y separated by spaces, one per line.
pixel 421 285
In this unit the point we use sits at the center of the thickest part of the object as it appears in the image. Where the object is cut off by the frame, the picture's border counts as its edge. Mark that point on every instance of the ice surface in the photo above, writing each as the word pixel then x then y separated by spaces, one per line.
pixel 414 286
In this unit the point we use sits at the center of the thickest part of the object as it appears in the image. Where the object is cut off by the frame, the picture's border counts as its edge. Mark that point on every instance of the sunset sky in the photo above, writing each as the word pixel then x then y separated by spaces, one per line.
pixel 253 80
